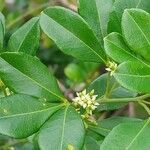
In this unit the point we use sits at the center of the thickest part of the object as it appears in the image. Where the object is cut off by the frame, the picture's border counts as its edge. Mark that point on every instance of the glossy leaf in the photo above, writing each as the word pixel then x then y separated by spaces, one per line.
pixel 128 136
pixel 71 34
pixel 2 30
pixel 62 131
pixel 96 13
pixel 26 38
pixel 134 76
pixel 117 49
pixel 114 24
pixel 136 30
pixel 105 126
pixel 22 115
pixel 25 74
pixel 79 72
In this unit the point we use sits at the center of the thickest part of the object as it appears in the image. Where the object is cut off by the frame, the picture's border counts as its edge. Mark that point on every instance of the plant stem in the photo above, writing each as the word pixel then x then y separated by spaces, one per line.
pixel 9 26
pixel 120 100
pixel 145 107
pixel 146 102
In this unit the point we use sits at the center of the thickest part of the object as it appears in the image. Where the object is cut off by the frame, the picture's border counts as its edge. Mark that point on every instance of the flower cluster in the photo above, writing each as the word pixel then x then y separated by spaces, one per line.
pixel 112 66
pixel 86 100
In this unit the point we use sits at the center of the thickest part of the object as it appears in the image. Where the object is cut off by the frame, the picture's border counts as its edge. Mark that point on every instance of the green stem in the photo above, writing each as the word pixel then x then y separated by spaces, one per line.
pixel 120 100
pixel 28 13
pixel 145 107
pixel 146 102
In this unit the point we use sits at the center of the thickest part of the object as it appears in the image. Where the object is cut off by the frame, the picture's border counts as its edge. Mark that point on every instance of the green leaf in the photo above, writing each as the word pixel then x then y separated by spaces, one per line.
pixel 23 146
pixel 26 38
pixel 134 76
pixel 79 72
pixel 71 34
pixel 2 30
pixel 96 13
pixel 62 131
pixel 74 72
pixel 136 30
pixel 105 126
pixel 117 49
pixel 129 136
pixel 25 74
pixel 116 91
pixel 114 24
pixel 91 144
pixel 94 135
pixel 22 115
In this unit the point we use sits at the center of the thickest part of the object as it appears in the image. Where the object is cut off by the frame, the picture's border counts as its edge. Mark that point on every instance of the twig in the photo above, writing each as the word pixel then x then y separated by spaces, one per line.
pixel 120 100
pixel 145 107
pixel 146 102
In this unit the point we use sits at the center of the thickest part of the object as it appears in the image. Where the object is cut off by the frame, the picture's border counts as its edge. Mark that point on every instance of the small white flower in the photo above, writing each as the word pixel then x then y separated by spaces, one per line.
pixel 89 102
pixel 84 105
pixel 112 66
pixel 93 107
pixel 96 104
pixel 94 97
pixel 76 99
pixel 84 92
pixel 86 100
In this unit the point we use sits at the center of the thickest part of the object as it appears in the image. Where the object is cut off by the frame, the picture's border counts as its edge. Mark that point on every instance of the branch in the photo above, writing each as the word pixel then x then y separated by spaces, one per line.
pixel 120 100
pixel 145 107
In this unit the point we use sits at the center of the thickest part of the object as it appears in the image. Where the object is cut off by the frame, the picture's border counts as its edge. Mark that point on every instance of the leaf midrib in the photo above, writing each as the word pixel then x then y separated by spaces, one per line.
pixel 20 45
pixel 101 128
pixel 29 113
pixel 121 48
pixel 63 127
pixel 76 37
pixel 140 131
pixel 138 3
pixel 130 75
pixel 127 52
pixel 34 80
pixel 139 28
pixel 99 18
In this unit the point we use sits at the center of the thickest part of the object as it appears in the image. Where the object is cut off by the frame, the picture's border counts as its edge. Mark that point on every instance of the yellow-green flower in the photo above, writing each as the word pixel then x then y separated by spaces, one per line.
pixel 112 66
